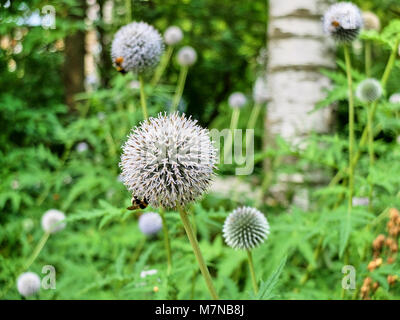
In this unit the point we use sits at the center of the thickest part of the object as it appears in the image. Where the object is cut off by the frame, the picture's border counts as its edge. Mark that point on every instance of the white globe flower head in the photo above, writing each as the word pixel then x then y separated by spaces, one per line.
pixel 245 228
pixel 51 221
pixel 82 147
pixel 237 100
pixel 28 284
pixel 260 91
pixel 395 98
pixel 150 223
pixel 343 21
pixel 369 90
pixel 173 35
pixel 136 47
pixel 187 56
pixel 371 21
pixel 168 160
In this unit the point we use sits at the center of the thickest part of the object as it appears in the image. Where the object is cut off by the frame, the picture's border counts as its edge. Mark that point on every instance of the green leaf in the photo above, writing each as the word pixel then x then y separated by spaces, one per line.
pixel 266 288
pixel 345 229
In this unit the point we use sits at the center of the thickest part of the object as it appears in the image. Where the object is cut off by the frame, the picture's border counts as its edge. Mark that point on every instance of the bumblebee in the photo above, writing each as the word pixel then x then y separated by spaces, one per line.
pixel 118 62
pixel 138 204
pixel 335 24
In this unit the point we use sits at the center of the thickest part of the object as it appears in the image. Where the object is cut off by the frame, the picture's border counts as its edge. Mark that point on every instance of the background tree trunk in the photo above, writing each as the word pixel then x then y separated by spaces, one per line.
pixel 74 65
pixel 297 50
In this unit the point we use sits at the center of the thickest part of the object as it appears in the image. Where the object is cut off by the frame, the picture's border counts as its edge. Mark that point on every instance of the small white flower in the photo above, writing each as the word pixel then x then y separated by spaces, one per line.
pixel 245 228
pixel 360 201
pixel 15 184
pixel 137 47
pixel 67 179
pixel 173 35
pixel 51 219
pixel 343 21
pixel 134 84
pixel 260 91
pixel 371 21
pixel 82 147
pixel 146 273
pixel 28 284
pixel 395 98
pixel 237 100
pixel 150 223
pixel 101 115
pixel 28 224
pixel 168 160
pixel 187 56
pixel 369 90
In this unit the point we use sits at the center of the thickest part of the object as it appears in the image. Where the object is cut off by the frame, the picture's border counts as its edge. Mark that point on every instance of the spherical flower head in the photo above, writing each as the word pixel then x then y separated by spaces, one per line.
pixel 395 98
pixel 369 90
pixel 245 228
pixel 168 160
pixel 371 21
pixel 136 47
pixel 237 100
pixel 150 223
pixel 51 219
pixel 343 22
pixel 28 284
pixel 82 147
pixel 260 91
pixel 173 35
pixel 187 56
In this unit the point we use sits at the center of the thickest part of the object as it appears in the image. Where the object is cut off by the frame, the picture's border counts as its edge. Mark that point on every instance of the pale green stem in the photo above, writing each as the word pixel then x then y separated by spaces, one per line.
pixel 368 58
pixel 370 149
pixel 233 126
pixel 351 125
pixel 252 272
pixel 254 116
pixel 363 140
pixel 162 66
pixel 143 98
pixel 197 252
pixel 37 250
pixel 179 88
pixel 128 9
pixel 166 241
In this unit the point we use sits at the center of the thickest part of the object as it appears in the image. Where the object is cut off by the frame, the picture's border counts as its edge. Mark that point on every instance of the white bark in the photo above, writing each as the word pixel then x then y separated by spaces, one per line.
pixel 298 49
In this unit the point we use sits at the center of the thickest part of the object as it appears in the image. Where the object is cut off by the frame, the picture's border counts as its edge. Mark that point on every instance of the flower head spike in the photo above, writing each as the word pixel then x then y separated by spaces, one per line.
pixel 260 91
pixel 28 284
pixel 369 90
pixel 237 100
pixel 136 47
pixel 343 21
pixel 187 56
pixel 371 21
pixel 245 228
pixel 168 160
pixel 51 219
pixel 173 35
pixel 150 223
pixel 395 98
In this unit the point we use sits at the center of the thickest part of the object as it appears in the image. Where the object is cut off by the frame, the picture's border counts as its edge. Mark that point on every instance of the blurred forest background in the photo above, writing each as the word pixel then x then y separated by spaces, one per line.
pixel 65 112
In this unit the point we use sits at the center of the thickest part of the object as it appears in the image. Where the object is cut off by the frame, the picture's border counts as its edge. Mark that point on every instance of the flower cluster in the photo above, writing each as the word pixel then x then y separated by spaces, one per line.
pixel 237 100
pixel 150 223
pixel 28 284
pixel 173 35
pixel 369 90
pixel 168 160
pixel 51 221
pixel 187 56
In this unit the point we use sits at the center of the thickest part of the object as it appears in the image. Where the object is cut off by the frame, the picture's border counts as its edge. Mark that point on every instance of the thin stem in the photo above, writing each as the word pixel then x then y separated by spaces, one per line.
pixel 233 126
pixel 166 241
pixel 37 250
pixel 252 272
pixel 370 150
pixel 143 98
pixel 390 65
pixel 197 252
pixel 179 88
pixel 162 66
pixel 351 125
pixel 254 116
pixel 368 58
pixel 128 9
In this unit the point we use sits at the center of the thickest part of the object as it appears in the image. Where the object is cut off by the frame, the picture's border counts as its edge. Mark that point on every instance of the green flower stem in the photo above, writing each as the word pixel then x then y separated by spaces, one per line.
pixel 351 126
pixel 389 67
pixel 162 66
pixel 233 126
pixel 254 116
pixel 179 89
pixel 368 58
pixel 197 252
pixel 143 98
pixel 370 150
pixel 252 272
pixel 37 250
pixel 166 241
pixel 128 9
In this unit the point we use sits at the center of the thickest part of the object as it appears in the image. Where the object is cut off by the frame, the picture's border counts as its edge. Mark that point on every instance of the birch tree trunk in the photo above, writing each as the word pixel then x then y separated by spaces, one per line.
pixel 297 50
